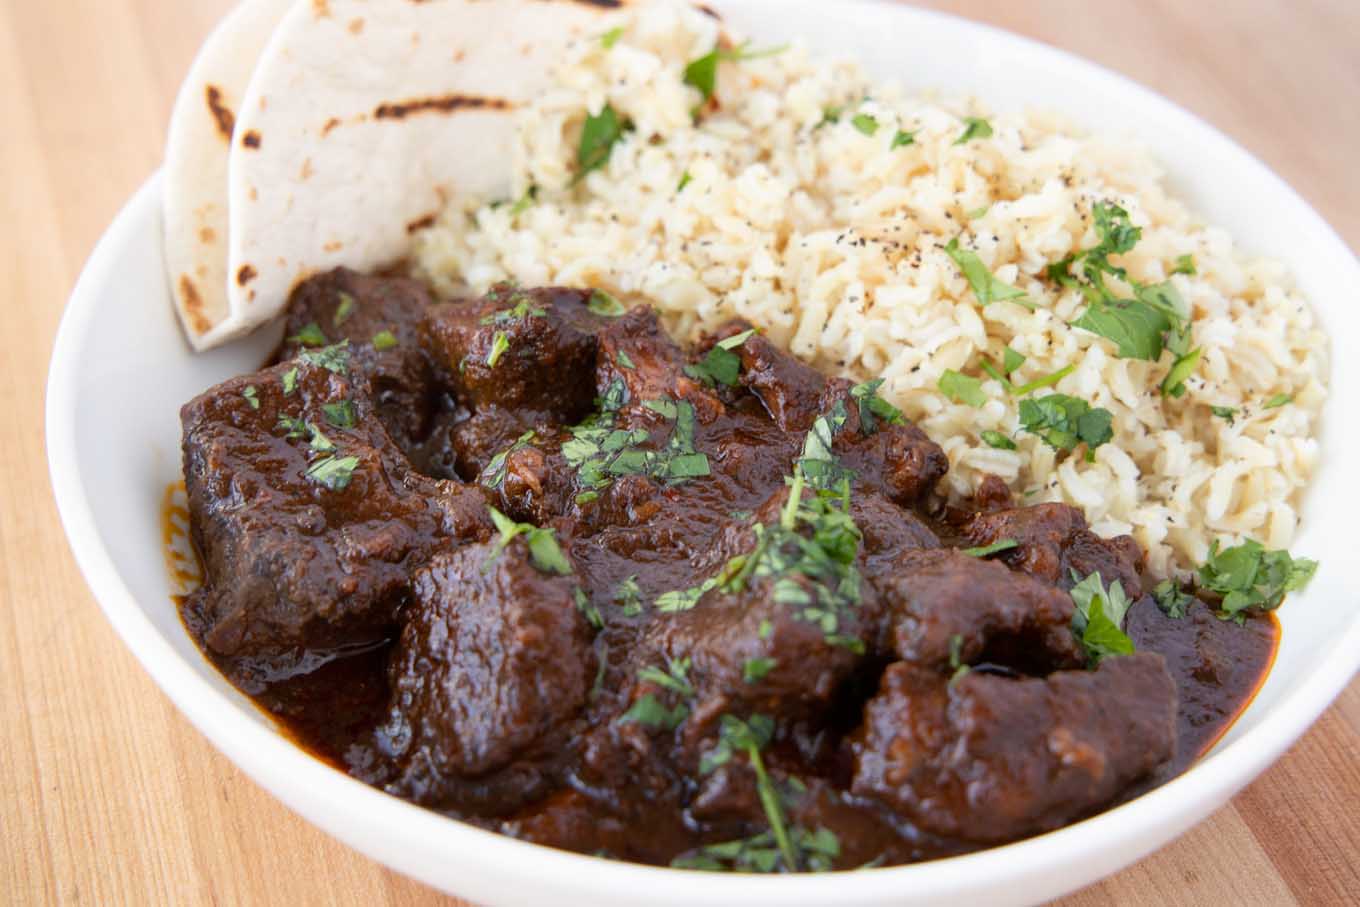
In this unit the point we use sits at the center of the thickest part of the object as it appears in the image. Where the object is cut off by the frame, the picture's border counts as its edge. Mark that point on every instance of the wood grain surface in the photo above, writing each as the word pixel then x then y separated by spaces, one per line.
pixel 110 797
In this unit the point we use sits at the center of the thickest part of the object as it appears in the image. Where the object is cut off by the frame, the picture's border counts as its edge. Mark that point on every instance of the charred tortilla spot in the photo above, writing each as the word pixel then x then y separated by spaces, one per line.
pixel 710 11
pixel 330 124
pixel 356 26
pixel 251 139
pixel 321 9
pixel 246 275
pixel 400 110
pixel 192 305
pixel 206 235
pixel 221 113
pixel 420 223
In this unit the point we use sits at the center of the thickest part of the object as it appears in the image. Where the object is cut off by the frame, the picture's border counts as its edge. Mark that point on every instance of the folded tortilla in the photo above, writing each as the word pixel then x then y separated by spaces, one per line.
pixel 195 187
pixel 364 118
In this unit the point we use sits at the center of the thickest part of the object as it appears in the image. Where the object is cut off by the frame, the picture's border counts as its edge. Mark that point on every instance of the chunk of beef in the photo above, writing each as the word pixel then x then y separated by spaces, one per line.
pixel 302 545
pixel 474 442
pixel 531 478
pixel 344 305
pixel 532 349
pixel 898 461
pixel 493 663
pixel 938 604
pixel 637 355
pixel 771 649
pixel 1054 543
pixel 791 392
pixel 989 759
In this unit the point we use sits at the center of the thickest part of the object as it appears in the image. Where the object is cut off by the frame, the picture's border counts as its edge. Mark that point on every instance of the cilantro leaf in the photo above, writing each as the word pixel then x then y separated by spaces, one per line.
pixel 499 344
pixel 526 201
pixel 601 303
pixel 649 711
pixel 962 388
pixel 755 669
pixel 1063 422
pixel 340 414
pixel 333 472
pixel 1171 599
pixel 865 123
pixel 1185 264
pixel 598 136
pixel 383 340
pixel 1277 401
pixel 544 552
pixel 702 73
pixel 1225 412
pixel 1173 385
pixel 986 286
pixel 995 548
pixel 252 396
pixel 998 440
pixel 611 37
pixel 1248 576
pixel 310 336
pixel 1135 328
pixel 902 139
pixel 342 311
pixel 872 407
pixel 721 365
pixel 974 128
pixel 333 358
pixel 1099 618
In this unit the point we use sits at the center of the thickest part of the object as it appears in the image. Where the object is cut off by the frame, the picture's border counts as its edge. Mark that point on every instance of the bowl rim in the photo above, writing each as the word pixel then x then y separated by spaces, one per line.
pixel 1057 861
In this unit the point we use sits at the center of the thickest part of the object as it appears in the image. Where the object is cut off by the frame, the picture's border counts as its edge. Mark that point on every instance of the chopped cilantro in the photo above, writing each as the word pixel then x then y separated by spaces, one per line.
pixel 526 201
pixel 1248 576
pixel 864 123
pixel 974 128
pixel 588 609
pixel 341 414
pixel 995 548
pixel 499 344
pixel 628 596
pixel 830 115
pixel 310 335
pixel 1277 401
pixel 333 358
pixel 520 310
pixel 962 388
pixel 1063 422
pixel 601 303
pixel 685 180
pixel 649 711
pixel 1045 381
pixel 755 669
pixel 977 213
pixel 1171 599
pixel 901 139
pixel 252 396
pixel 544 552
pixel 384 340
pixel 1185 264
pixel 956 663
pixel 290 381
pixel 333 472
pixel 818 463
pixel 1173 385
pixel 751 736
pixel 343 310
pixel 872 407
pixel 702 73
pixel 675 678
pixel 1225 412
pixel 1099 618
pixel 986 286
pixel 611 37
pixel 493 476
pixel 598 136
pixel 625 361
pixel 721 365
pixel 998 440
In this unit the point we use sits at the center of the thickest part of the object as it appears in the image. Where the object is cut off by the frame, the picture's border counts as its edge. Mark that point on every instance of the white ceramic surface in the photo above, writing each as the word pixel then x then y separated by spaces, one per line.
pixel 121 369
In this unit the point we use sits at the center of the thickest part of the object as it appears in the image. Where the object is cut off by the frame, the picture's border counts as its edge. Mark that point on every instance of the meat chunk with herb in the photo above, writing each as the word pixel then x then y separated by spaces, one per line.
pixel 308 519
pixel 494 662
pixel 638 362
pixel 791 391
pixel 940 606
pixel 380 318
pixel 518 349
pixel 1054 543
pixel 987 758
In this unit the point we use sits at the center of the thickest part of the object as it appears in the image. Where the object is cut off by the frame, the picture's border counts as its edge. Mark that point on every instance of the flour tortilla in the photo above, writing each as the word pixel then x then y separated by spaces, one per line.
pixel 196 153
pixel 364 117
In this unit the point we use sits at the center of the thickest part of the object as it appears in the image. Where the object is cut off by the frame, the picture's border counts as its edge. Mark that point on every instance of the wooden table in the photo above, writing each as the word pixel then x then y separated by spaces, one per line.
pixel 109 796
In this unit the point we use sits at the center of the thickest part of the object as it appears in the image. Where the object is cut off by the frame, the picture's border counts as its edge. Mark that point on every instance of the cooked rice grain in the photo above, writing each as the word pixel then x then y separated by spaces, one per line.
pixel 831 241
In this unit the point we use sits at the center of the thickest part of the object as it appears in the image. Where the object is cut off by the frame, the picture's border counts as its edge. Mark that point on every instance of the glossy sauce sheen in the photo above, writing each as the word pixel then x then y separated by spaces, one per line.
pixel 587 778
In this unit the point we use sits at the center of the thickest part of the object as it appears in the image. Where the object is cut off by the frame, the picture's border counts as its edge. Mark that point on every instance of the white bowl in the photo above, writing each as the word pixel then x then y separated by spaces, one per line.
pixel 121 369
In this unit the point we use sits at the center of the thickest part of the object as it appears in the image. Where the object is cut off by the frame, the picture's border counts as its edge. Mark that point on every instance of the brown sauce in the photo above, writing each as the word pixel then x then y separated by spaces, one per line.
pixel 418 654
